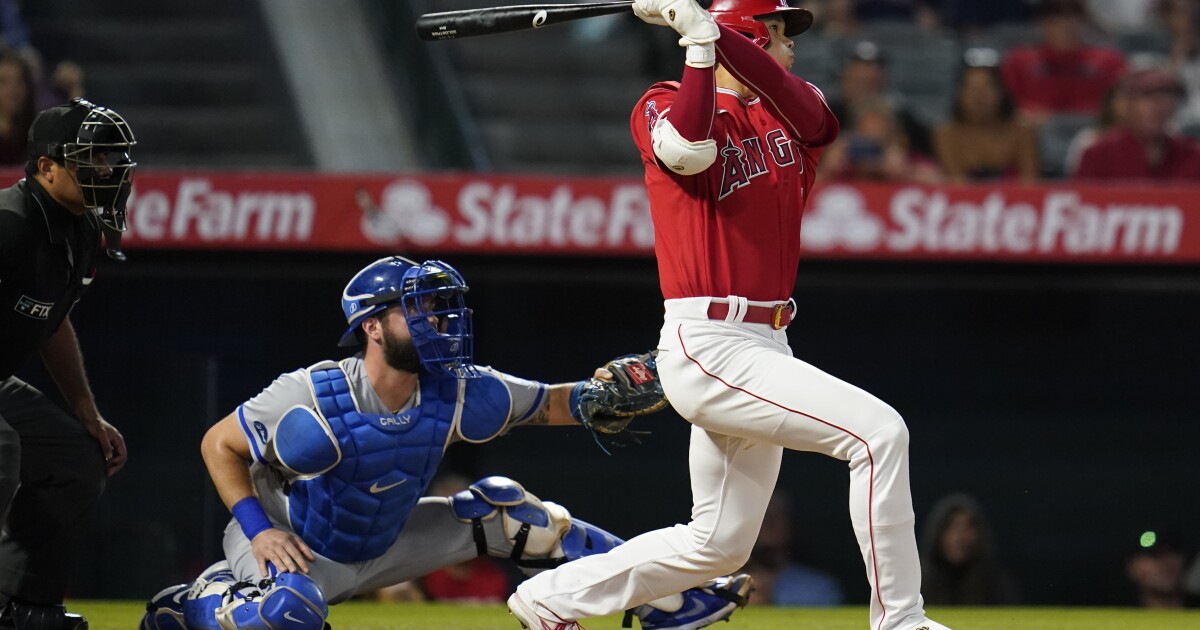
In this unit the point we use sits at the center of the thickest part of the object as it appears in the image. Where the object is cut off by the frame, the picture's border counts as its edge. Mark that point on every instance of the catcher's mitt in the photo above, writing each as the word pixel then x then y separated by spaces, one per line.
pixel 629 389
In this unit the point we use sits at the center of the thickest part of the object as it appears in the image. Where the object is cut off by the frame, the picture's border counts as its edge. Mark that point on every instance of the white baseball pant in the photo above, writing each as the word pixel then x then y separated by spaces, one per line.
pixel 748 399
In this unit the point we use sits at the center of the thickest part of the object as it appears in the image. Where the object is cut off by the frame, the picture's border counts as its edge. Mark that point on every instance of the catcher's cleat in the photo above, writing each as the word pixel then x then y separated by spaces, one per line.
pixel 530 620
pixel 702 606
pixel 20 615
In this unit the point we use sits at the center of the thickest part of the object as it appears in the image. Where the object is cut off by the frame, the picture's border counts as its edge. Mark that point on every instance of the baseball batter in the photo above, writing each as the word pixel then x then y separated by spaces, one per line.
pixel 324 471
pixel 729 155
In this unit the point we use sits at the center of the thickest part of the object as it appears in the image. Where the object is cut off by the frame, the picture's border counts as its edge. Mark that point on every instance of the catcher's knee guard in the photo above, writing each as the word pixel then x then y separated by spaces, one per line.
pixel 288 600
pixel 542 533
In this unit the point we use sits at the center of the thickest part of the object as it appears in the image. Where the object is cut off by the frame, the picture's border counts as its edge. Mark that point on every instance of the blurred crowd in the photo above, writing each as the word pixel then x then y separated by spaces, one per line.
pixel 1089 89
pixel 962 563
pixel 27 86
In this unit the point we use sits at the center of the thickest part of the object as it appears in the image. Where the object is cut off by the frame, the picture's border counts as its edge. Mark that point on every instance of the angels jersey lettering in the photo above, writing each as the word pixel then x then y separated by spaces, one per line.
pixel 747 244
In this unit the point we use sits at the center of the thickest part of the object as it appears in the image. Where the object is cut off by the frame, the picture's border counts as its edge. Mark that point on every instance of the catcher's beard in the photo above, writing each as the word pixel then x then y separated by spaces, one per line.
pixel 400 354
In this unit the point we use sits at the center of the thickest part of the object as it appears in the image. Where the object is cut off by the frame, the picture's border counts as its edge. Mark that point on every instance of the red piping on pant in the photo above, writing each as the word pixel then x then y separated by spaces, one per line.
pixel 871 458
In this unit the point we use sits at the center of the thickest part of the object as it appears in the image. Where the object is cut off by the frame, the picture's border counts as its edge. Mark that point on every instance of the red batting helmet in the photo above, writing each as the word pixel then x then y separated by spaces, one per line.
pixel 740 15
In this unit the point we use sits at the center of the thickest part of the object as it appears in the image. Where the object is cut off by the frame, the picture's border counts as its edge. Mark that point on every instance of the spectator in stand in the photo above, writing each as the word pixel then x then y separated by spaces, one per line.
pixel 958 555
pixel 1191 581
pixel 875 149
pixel 1156 566
pixel 1182 21
pixel 64 84
pixel 1143 148
pixel 1112 114
pixel 12 26
pixel 17 108
pixel 984 140
pixel 1062 74
pixel 863 83
pixel 779 578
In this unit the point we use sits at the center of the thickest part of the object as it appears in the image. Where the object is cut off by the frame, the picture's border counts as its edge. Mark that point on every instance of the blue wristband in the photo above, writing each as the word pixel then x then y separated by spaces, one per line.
pixel 251 517
pixel 573 401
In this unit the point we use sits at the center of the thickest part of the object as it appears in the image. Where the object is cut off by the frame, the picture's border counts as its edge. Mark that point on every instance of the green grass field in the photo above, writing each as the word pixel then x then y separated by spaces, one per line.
pixel 376 616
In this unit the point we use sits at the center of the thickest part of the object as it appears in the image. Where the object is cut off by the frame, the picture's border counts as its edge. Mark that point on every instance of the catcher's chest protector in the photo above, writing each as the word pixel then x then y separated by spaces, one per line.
pixel 355 511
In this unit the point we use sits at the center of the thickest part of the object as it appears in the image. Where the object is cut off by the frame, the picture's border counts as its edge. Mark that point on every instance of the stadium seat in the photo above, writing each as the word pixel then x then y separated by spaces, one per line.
pixel 1004 36
pixel 817 61
pixel 1149 40
pixel 1054 139
pixel 925 72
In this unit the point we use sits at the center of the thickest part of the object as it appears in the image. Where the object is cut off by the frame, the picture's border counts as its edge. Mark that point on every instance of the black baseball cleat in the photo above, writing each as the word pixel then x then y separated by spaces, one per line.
pixel 21 615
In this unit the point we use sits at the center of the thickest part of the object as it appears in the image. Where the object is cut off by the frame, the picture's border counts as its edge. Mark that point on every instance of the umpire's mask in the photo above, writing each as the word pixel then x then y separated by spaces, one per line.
pixel 94 142
pixel 103 166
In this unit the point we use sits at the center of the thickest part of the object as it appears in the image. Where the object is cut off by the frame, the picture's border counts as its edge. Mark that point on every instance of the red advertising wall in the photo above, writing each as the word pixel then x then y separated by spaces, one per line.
pixel 596 216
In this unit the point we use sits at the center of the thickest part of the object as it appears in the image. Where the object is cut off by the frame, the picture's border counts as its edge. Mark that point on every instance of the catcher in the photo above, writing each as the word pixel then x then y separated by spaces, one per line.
pixel 324 471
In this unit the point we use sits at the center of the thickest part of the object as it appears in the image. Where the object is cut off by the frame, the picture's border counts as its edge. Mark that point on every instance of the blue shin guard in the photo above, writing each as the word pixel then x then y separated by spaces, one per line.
pixel 585 539
pixel 293 601
pixel 288 600
pixel 165 610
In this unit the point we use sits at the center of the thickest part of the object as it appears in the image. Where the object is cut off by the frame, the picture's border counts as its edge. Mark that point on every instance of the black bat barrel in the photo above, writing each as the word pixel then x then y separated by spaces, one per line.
pixel 472 22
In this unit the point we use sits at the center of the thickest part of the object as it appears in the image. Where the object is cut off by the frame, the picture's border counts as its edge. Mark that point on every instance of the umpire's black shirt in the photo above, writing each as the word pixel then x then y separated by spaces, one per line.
pixel 47 260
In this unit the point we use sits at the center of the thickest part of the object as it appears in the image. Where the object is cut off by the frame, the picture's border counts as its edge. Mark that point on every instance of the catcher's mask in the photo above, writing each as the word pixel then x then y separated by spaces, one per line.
pixel 431 296
pixel 94 142
pixel 741 16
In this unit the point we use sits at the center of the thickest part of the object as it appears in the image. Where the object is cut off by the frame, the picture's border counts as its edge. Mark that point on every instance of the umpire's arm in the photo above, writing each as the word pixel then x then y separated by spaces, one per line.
pixel 226 453
pixel 64 362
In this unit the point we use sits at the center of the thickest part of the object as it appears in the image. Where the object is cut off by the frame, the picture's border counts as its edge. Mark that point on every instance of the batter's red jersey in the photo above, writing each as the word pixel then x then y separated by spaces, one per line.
pixel 733 229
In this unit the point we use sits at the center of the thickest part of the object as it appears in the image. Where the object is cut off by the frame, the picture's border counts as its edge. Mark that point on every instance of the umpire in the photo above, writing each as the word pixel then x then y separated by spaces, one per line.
pixel 54 460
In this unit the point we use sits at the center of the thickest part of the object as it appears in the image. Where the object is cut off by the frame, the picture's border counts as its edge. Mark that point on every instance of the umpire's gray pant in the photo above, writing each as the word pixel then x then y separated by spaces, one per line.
pixel 51 475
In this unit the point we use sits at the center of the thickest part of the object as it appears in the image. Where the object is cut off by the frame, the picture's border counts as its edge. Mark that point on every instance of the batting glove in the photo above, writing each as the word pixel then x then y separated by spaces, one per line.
pixel 692 22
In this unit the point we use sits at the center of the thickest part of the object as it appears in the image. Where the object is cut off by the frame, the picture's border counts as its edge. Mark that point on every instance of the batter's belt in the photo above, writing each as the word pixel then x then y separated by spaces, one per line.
pixel 777 316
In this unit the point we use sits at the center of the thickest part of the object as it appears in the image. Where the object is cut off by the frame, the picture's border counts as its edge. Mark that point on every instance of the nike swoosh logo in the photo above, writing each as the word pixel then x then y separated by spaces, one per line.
pixel 376 488
pixel 288 615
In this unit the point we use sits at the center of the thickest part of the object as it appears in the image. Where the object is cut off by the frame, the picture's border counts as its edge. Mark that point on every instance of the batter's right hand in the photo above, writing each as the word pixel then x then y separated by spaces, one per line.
pixel 285 550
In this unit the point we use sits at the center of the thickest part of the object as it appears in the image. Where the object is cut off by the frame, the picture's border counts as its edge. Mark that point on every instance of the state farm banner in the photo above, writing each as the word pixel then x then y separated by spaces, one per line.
pixel 504 214
pixel 1063 223
pixel 446 213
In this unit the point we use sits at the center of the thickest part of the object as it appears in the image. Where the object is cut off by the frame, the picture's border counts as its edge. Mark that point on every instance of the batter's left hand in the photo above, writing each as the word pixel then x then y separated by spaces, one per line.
pixel 112 443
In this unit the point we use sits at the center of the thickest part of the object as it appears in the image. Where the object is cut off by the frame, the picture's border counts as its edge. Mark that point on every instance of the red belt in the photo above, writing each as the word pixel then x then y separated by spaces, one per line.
pixel 777 317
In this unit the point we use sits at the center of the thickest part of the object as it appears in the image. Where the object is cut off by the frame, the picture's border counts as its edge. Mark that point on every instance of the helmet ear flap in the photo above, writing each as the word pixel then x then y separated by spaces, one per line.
pixel 366 293
pixel 755 29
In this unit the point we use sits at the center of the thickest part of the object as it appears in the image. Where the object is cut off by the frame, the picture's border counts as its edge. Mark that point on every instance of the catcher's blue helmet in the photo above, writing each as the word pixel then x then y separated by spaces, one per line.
pixel 429 292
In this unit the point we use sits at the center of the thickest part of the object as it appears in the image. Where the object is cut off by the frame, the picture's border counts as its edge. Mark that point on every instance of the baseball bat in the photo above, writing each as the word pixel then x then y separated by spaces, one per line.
pixel 471 22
